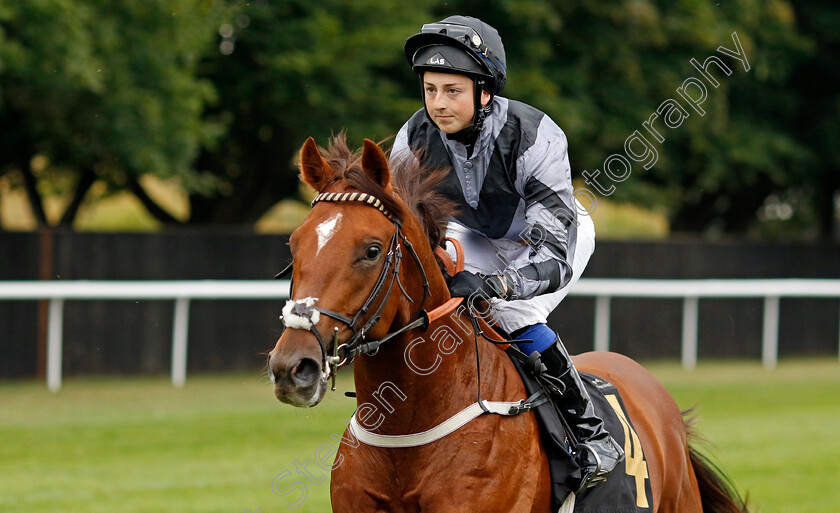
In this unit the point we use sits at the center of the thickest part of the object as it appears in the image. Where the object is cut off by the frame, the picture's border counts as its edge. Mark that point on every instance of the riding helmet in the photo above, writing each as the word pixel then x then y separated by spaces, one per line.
pixel 460 44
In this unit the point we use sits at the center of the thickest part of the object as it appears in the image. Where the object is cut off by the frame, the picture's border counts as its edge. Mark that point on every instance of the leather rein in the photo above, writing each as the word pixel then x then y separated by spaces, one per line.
pixel 356 345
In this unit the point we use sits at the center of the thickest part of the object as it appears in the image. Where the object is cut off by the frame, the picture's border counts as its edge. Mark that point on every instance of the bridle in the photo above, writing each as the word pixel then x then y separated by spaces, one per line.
pixel 357 345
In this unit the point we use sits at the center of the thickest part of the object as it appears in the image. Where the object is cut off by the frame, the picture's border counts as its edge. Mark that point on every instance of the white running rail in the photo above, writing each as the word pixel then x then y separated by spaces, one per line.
pixel 179 291
pixel 603 290
pixel 691 291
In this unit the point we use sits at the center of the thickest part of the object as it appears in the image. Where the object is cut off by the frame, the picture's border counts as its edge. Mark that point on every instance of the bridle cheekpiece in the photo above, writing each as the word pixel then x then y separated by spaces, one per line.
pixel 357 344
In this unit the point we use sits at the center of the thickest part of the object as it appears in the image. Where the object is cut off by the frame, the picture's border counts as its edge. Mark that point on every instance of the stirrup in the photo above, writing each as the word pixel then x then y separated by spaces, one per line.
pixel 591 476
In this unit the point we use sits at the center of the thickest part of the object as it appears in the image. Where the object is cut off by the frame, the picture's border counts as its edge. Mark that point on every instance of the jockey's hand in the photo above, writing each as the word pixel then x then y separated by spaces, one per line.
pixel 478 286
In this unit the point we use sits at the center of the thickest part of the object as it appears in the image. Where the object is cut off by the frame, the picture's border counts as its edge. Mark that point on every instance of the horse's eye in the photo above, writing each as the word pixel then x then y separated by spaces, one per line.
pixel 372 253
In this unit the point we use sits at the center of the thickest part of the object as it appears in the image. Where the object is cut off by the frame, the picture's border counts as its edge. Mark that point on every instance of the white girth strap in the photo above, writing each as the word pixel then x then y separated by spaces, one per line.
pixel 450 425
pixel 568 505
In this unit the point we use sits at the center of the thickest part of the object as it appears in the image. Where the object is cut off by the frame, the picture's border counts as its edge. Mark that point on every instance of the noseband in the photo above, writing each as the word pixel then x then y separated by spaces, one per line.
pixel 356 345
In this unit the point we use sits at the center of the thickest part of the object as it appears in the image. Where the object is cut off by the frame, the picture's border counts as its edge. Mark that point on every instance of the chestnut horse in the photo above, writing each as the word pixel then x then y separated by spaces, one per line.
pixel 364 276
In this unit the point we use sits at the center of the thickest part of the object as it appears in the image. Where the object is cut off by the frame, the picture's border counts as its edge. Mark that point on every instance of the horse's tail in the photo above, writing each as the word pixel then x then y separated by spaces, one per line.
pixel 717 493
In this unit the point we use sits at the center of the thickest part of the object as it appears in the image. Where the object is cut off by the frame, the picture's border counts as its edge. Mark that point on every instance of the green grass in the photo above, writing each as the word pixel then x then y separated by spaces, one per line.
pixel 217 445
pixel 140 445
pixel 776 434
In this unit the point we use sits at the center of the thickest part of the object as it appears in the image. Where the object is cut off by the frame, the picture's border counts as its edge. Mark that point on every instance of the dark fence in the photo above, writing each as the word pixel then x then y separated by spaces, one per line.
pixel 135 337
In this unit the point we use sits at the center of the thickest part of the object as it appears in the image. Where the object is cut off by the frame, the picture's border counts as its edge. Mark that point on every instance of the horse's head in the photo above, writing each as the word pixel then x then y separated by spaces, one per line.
pixel 346 258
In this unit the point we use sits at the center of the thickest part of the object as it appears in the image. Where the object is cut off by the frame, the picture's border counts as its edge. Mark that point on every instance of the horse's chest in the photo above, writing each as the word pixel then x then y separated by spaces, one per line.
pixel 469 470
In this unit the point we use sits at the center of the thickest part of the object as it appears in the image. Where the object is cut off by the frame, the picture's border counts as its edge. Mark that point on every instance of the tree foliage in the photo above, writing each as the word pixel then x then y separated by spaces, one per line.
pixel 105 91
pixel 296 69
pixel 602 69
pixel 222 94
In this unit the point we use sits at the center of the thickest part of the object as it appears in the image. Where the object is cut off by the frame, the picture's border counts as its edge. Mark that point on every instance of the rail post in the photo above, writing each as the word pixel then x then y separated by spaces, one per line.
pixel 689 333
pixel 602 323
pixel 55 345
pixel 180 331
pixel 770 333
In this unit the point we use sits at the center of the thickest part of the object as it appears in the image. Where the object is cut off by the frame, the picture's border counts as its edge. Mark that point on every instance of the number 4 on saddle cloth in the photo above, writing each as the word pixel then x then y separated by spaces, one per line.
pixel 627 487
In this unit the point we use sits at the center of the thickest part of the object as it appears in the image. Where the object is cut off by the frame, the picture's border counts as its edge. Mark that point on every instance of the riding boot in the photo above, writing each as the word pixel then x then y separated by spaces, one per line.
pixel 597 452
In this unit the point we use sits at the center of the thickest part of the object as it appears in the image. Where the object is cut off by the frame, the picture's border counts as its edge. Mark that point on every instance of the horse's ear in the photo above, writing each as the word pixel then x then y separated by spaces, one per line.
pixel 313 168
pixel 375 163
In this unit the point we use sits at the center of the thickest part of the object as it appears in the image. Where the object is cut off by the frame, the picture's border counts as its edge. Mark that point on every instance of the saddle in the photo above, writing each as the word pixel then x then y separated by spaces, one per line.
pixel 627 488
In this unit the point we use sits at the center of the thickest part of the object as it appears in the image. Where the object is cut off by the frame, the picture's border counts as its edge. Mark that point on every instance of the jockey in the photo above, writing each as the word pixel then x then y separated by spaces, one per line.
pixel 526 239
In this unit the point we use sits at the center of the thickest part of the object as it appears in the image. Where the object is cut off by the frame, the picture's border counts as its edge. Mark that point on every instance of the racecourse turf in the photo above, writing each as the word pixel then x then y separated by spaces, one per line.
pixel 224 444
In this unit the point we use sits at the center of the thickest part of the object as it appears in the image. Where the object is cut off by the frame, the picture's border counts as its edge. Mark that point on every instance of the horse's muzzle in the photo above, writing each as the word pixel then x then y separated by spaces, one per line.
pixel 299 378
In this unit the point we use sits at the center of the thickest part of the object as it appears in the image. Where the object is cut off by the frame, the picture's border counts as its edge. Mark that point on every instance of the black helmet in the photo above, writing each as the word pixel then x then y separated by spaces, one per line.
pixel 460 44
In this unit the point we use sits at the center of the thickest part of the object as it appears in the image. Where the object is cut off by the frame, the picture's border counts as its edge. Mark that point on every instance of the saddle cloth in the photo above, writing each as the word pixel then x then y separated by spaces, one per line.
pixel 627 488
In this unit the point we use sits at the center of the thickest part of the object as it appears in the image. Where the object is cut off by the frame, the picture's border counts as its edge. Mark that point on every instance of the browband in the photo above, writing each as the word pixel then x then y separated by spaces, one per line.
pixel 357 196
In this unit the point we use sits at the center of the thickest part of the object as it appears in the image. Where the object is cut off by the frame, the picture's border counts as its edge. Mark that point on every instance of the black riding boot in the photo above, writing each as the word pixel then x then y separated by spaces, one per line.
pixel 600 453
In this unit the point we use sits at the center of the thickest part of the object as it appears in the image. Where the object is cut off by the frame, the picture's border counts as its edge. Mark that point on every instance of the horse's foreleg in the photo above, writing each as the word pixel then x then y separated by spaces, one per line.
pixel 357 483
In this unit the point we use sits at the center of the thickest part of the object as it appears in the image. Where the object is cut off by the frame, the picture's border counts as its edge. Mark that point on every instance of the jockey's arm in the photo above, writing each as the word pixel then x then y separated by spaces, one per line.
pixel 545 183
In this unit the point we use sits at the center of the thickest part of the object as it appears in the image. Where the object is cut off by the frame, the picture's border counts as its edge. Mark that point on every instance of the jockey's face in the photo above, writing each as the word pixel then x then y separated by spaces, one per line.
pixel 449 100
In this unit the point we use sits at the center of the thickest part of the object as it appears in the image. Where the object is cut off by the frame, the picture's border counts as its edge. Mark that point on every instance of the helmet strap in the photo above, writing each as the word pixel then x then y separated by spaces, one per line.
pixel 481 112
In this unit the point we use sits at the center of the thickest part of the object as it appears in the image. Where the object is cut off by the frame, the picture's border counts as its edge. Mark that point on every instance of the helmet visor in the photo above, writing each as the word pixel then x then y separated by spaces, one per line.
pixel 448 59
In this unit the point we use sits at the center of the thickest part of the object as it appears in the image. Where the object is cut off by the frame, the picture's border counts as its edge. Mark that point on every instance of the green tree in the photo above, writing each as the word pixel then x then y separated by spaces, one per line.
pixel 101 91
pixel 816 123
pixel 288 70
pixel 601 69
pixel 222 94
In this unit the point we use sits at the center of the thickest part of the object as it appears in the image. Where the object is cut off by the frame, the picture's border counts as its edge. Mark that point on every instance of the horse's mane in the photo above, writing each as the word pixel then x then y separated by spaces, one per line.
pixel 415 184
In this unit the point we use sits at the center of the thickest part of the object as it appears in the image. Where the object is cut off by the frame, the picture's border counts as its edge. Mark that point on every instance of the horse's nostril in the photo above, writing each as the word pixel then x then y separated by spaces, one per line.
pixel 306 372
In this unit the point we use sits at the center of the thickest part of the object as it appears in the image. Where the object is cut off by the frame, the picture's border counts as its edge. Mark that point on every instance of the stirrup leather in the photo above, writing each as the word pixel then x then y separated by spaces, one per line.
pixel 539 370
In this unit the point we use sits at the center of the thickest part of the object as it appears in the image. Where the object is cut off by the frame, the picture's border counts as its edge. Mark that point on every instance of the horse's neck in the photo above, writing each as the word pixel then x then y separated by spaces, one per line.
pixel 419 380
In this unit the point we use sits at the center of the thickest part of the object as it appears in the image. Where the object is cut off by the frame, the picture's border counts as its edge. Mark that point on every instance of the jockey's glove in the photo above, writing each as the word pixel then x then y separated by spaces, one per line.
pixel 480 286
